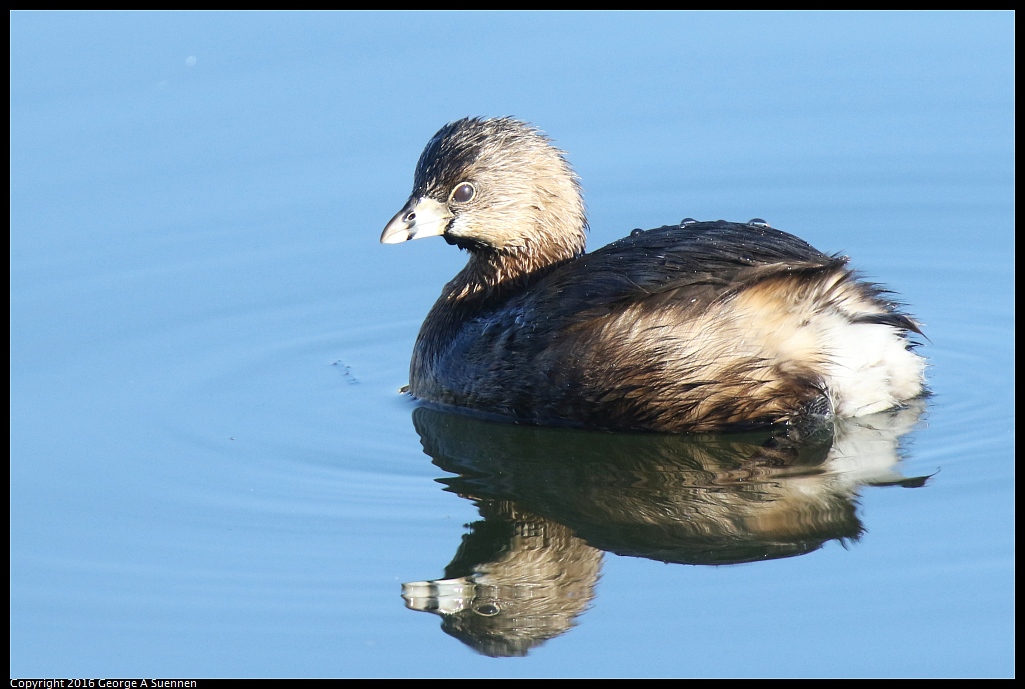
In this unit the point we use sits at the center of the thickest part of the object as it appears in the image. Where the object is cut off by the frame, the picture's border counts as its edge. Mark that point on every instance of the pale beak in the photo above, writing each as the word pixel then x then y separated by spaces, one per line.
pixel 421 217
pixel 442 596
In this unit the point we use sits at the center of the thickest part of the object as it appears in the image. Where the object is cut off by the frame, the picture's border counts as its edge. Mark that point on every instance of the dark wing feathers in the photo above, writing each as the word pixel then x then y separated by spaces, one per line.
pixel 897 320
pixel 697 263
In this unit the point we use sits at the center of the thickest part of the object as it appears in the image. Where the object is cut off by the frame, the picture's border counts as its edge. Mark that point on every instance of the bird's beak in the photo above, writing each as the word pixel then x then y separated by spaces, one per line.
pixel 420 217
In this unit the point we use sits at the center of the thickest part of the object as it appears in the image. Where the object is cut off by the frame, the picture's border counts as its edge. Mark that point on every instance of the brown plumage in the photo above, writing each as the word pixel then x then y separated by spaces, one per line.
pixel 693 327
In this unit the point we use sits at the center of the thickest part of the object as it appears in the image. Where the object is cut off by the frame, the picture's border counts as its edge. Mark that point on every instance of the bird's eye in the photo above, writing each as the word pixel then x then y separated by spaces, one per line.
pixel 463 192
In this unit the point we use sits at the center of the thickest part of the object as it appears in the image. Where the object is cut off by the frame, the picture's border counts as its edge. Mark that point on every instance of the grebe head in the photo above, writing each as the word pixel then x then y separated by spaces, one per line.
pixel 494 186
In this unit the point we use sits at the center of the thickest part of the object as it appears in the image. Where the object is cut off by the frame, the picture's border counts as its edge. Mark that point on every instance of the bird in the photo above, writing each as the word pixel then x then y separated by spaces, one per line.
pixel 693 327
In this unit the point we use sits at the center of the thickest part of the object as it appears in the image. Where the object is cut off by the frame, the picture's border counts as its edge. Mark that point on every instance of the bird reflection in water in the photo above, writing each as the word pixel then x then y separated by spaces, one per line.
pixel 552 500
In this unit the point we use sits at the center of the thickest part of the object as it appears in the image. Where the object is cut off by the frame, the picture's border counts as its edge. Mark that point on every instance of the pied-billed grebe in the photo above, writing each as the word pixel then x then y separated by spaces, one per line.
pixel 694 327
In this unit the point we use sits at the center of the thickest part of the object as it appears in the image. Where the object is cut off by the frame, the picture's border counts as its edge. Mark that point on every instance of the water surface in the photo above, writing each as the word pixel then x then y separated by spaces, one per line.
pixel 213 472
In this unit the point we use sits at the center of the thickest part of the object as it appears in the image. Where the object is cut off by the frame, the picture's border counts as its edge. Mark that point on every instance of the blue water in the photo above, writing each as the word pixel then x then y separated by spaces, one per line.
pixel 213 472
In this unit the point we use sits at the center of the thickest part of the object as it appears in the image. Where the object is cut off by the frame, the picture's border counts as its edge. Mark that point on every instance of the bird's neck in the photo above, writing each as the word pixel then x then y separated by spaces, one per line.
pixel 491 275
pixel 489 279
